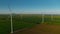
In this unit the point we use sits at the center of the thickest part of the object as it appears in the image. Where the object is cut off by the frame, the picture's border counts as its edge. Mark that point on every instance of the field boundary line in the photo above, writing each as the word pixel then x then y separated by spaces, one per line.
pixel 20 30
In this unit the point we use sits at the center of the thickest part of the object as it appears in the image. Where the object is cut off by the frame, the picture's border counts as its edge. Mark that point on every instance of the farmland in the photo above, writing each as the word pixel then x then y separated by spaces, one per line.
pixel 25 21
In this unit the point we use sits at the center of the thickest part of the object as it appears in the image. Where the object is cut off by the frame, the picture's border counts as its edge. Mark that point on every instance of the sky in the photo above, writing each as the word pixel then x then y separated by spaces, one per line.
pixel 30 6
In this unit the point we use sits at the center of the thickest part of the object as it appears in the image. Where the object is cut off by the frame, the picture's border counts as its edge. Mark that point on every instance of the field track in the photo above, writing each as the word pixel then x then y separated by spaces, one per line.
pixel 41 29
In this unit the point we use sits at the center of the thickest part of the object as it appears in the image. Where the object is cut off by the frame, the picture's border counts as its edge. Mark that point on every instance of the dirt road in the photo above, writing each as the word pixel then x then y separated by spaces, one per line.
pixel 41 29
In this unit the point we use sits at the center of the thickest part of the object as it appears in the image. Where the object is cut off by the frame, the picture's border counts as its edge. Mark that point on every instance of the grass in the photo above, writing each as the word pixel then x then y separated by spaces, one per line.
pixel 19 25
pixel 27 21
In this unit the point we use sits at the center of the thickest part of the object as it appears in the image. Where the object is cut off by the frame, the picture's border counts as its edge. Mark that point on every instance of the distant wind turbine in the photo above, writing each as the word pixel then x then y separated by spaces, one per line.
pixel 21 15
pixel 42 17
pixel 52 17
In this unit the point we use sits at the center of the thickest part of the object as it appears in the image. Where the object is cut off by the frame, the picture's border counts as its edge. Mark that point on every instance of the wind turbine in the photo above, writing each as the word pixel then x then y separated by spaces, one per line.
pixel 21 15
pixel 52 17
pixel 11 18
pixel 42 17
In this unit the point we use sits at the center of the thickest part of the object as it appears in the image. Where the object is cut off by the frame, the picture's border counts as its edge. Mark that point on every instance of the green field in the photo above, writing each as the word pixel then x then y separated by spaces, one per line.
pixel 4 24
pixel 27 21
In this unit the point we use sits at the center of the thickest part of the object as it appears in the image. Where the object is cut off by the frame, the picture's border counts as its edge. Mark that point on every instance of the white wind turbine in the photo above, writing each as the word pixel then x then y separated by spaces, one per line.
pixel 42 17
pixel 10 17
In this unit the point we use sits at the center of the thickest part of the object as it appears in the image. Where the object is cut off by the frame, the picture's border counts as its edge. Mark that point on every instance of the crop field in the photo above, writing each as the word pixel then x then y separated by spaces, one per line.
pixel 25 21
